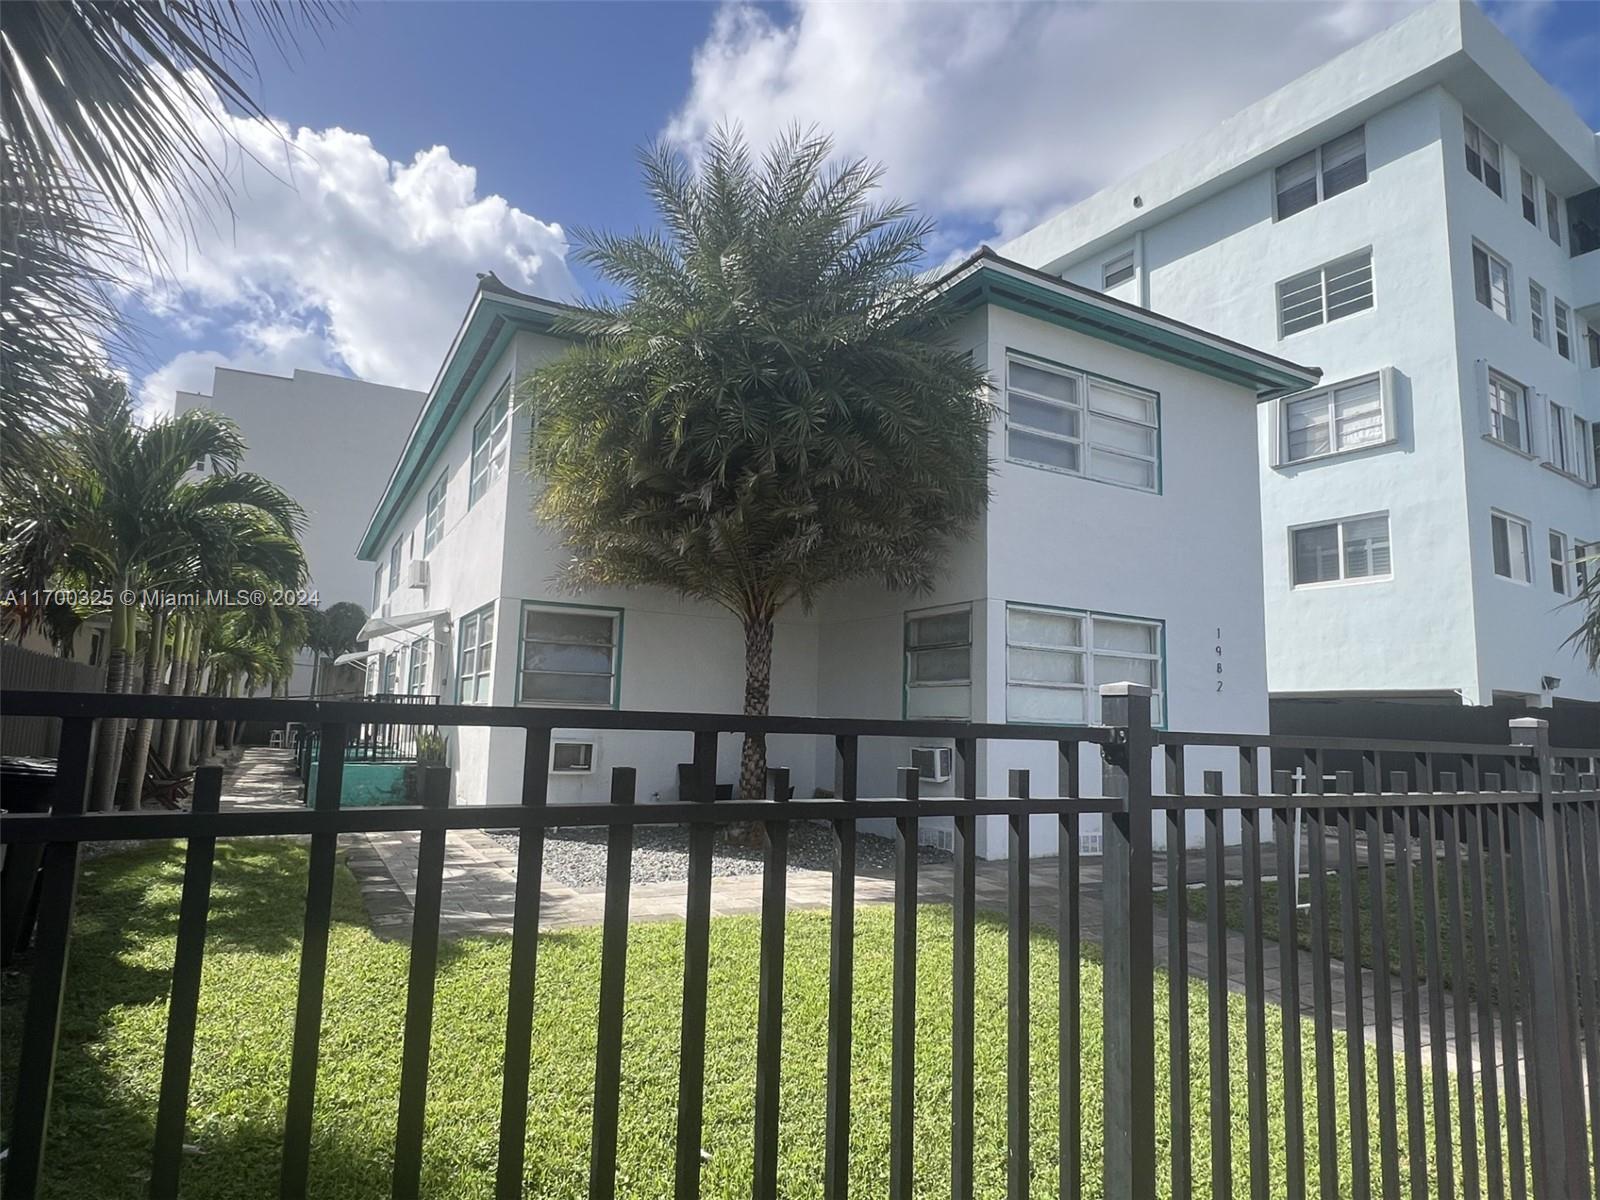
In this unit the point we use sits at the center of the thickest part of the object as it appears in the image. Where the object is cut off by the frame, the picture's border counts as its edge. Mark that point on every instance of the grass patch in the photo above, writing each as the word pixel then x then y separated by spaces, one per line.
pixel 110 1058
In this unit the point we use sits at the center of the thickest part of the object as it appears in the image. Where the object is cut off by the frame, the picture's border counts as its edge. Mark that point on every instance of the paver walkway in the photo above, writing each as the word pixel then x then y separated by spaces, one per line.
pixel 480 887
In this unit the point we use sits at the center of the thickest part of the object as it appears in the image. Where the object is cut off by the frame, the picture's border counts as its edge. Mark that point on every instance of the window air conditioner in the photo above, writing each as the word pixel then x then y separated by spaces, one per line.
pixel 416 574
pixel 933 763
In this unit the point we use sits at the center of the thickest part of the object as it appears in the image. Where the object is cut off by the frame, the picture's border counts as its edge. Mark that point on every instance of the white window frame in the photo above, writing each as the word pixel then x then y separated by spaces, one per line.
pixel 1486 297
pixel 397 554
pixel 1585 558
pixel 1501 388
pixel 1329 280
pixel 377 586
pixel 1563 326
pixel 1583 449
pixel 475 686
pixel 1329 397
pixel 417 657
pixel 491 434
pixel 613 677
pixel 1117 270
pixel 1512 524
pixel 1552 215
pixel 389 682
pixel 1530 197
pixel 1339 526
pixel 555 749
pixel 1560 574
pixel 1319 176
pixel 1088 417
pixel 932 690
pixel 1478 145
pixel 1538 322
pixel 1560 439
pixel 433 520
pixel 1089 689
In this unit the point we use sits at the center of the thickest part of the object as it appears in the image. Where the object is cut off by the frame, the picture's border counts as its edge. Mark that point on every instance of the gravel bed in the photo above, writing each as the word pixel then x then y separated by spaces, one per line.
pixel 576 857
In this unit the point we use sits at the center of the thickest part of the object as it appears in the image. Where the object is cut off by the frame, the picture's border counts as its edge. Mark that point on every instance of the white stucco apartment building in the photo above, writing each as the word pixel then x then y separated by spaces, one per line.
pixel 1120 544
pixel 329 442
pixel 1420 218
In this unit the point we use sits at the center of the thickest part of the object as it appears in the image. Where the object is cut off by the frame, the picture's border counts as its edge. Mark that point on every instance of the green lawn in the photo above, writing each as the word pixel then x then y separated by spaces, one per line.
pixel 1233 907
pixel 110 1059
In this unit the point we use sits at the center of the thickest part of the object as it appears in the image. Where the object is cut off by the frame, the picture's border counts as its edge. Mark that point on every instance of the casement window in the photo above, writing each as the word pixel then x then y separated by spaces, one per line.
pixel 569 655
pixel 97 641
pixel 475 656
pixel 489 437
pixel 1585 561
pixel 1591 339
pixel 1333 420
pixel 1561 457
pixel 1582 449
pixel 417 668
pixel 1057 660
pixel 1483 158
pixel 1530 198
pixel 377 587
pixel 1508 412
pixel 1511 540
pixel 571 758
pixel 396 557
pixel 1065 420
pixel 433 523
pixel 1558 563
pixel 1552 215
pixel 1116 271
pixel 391 675
pixel 1356 548
pixel 938 666
pixel 1491 281
pixel 1563 330
pixel 1336 290
pixel 1333 167
pixel 1536 317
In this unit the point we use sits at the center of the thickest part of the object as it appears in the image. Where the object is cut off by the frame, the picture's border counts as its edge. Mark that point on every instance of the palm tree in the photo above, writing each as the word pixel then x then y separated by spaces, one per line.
pixel 106 120
pixel 1586 638
pixel 773 407
pixel 125 512
pixel 331 632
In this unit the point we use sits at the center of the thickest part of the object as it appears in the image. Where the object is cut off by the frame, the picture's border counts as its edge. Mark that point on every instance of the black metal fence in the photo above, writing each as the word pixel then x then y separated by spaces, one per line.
pixel 375 740
pixel 1505 844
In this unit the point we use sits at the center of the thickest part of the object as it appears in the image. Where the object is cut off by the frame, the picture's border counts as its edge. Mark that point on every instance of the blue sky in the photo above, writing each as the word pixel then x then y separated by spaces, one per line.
pixel 421 142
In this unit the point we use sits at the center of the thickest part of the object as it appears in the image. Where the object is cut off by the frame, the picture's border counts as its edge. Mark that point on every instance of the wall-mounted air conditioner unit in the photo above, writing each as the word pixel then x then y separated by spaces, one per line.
pixel 933 763
pixel 415 574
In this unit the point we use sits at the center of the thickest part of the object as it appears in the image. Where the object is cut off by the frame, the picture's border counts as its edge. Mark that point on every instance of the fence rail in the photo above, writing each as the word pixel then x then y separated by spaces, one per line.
pixel 1494 853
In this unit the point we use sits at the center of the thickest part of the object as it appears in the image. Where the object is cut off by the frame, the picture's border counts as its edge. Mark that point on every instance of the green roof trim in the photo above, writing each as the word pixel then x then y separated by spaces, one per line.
pixel 495 317
pixel 986 278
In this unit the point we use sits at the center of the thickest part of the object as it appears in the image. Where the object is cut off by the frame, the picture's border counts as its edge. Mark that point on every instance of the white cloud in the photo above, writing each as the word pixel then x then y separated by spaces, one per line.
pixel 1003 113
pixel 334 256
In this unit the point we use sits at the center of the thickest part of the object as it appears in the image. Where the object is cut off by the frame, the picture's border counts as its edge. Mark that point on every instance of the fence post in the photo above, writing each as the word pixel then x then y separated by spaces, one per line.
pixel 1130 1077
pixel 1558 1143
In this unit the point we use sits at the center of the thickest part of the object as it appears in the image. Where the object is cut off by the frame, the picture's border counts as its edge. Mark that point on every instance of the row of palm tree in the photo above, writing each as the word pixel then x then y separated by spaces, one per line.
pixel 113 510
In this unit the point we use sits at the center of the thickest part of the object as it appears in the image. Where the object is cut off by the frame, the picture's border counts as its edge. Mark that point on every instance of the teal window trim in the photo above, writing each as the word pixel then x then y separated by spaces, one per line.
pixel 1089 651
pixel 1154 393
pixel 476 615
pixel 617 616
pixel 434 514
pixel 911 614
pixel 491 436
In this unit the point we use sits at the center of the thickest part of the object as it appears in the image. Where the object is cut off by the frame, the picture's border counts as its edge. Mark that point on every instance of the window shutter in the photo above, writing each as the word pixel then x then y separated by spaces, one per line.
pixel 1481 372
pixel 1538 425
pixel 1388 382
pixel 1275 433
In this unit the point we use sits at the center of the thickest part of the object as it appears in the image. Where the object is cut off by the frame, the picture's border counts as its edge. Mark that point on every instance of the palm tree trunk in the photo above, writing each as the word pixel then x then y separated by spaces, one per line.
pixel 180 660
pixel 108 753
pixel 757 697
pixel 154 657
pixel 208 740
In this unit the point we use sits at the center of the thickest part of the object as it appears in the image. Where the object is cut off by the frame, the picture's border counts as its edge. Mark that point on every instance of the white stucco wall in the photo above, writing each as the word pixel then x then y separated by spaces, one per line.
pixel 330 442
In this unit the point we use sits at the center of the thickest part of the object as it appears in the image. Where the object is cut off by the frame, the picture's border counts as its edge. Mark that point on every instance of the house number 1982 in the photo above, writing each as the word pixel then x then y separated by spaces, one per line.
pixel 1219 658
